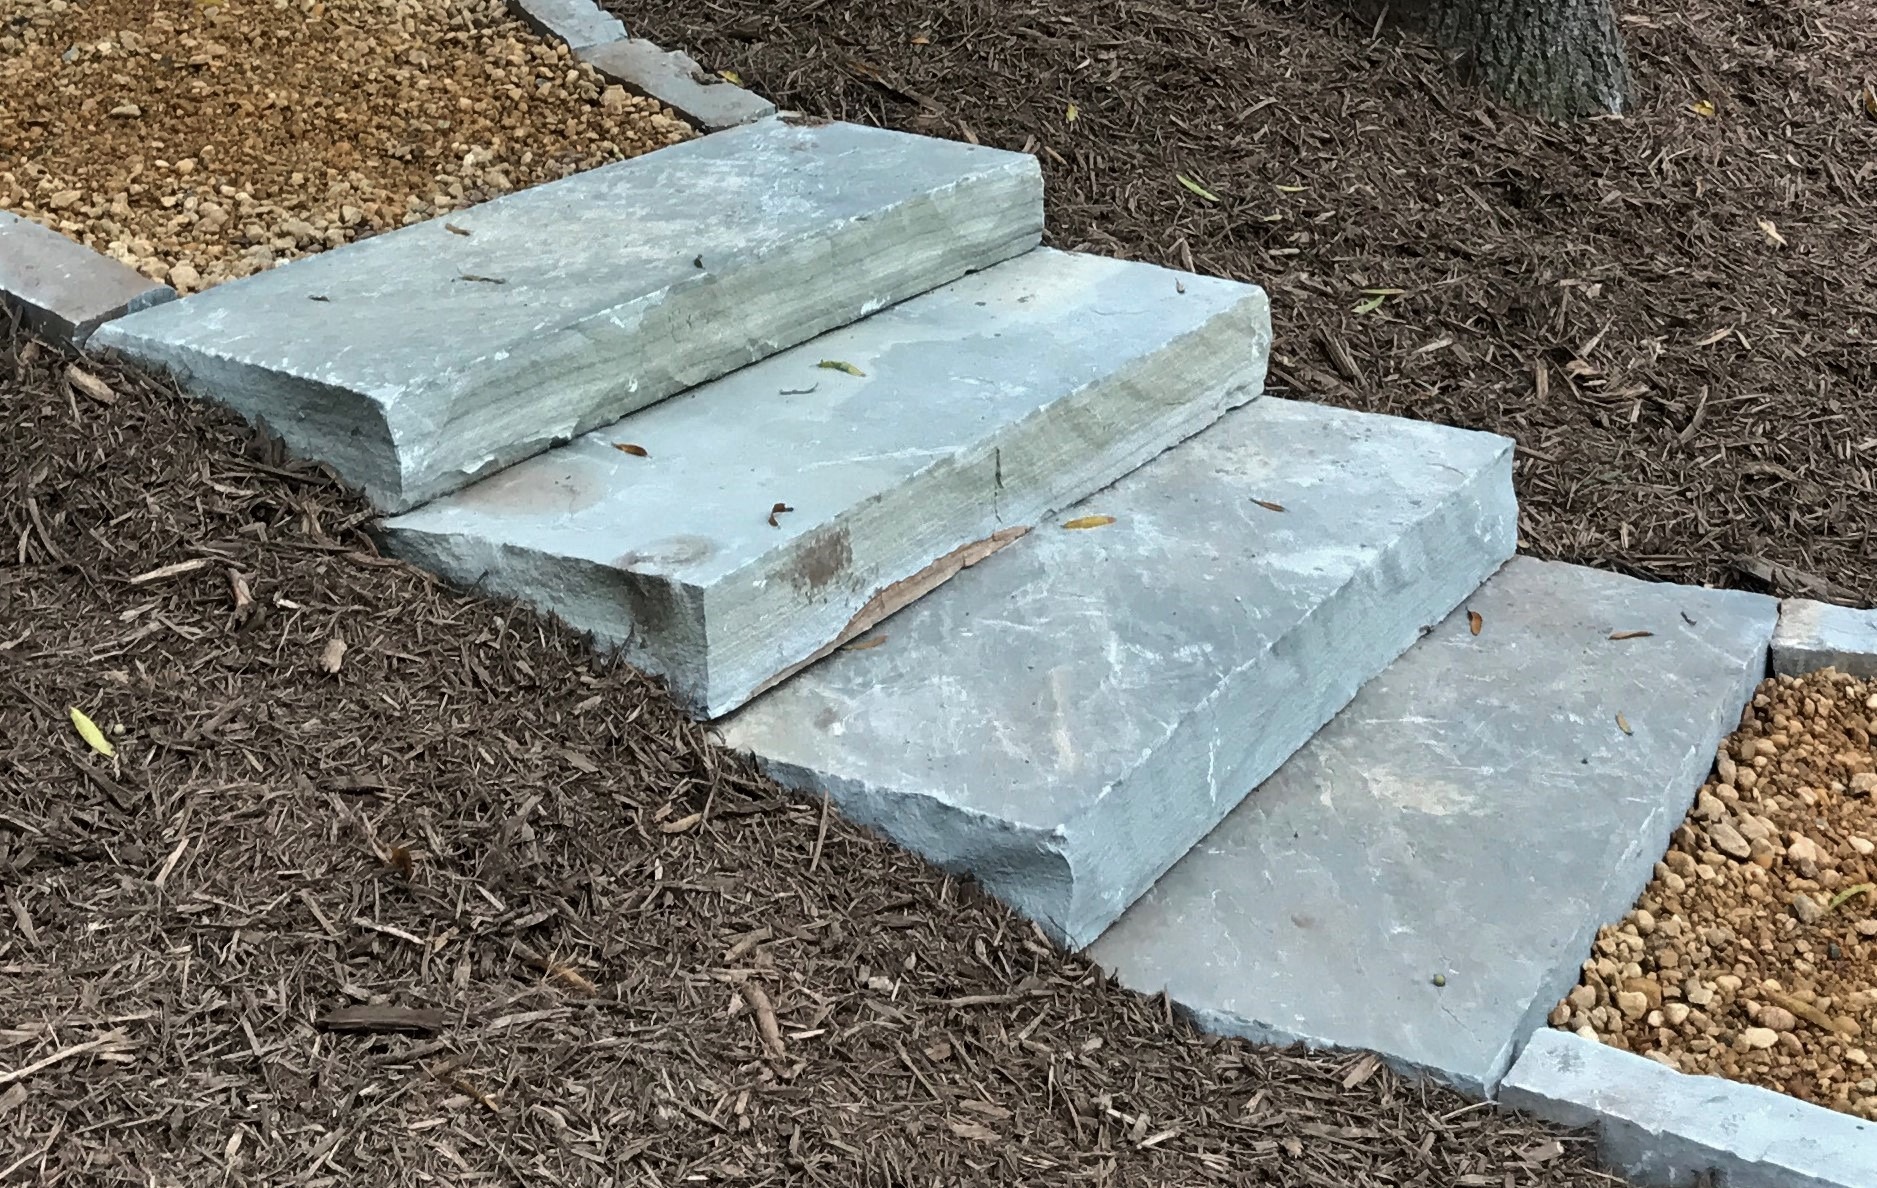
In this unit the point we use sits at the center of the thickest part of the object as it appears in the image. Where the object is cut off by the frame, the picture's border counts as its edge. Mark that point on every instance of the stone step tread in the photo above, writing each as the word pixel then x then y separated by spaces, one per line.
pixel 1066 719
pixel 981 406
pixel 419 360
pixel 1474 816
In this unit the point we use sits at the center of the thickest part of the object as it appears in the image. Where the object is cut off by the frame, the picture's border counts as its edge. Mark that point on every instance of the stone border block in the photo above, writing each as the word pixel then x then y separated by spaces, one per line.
pixel 64 289
pixel 1815 635
pixel 1664 1129
pixel 673 79
pixel 579 23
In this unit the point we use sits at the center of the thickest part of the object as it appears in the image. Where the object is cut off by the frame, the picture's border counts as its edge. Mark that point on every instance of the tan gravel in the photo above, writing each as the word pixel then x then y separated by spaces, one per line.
pixel 201 142
pixel 1752 955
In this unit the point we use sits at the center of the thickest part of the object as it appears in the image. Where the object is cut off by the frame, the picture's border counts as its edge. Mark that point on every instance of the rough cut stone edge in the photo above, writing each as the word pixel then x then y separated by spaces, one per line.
pixel 1814 635
pixel 62 288
pixel 579 23
pixel 1665 1129
pixel 673 79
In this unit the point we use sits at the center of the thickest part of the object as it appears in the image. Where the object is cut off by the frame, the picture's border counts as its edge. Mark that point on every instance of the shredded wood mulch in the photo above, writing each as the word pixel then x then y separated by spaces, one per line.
pixel 1674 313
pixel 384 884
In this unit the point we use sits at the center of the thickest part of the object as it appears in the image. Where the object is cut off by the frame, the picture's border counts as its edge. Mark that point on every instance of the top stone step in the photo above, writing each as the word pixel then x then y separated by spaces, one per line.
pixel 418 361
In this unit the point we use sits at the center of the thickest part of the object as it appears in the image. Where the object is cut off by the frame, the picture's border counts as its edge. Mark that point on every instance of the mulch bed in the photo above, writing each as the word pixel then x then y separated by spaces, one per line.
pixel 1675 314
pixel 455 903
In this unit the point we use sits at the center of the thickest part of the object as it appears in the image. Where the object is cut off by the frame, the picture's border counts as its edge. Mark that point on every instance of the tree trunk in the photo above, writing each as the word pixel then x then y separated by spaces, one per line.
pixel 1558 58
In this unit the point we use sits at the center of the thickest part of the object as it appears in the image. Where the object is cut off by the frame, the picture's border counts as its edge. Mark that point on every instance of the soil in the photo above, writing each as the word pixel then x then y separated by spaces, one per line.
pixel 1753 953
pixel 385 884
pixel 200 142
pixel 1674 313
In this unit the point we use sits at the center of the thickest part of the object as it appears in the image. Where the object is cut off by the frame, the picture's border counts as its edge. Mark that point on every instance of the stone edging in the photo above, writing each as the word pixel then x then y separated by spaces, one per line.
pixel 1660 1128
pixel 1815 635
pixel 63 288
pixel 599 39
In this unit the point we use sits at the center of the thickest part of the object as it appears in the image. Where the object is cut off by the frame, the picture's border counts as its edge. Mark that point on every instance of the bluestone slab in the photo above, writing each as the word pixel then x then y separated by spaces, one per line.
pixel 419 360
pixel 1424 879
pixel 579 23
pixel 983 405
pixel 1659 1128
pixel 673 79
pixel 1815 635
pixel 62 288
pixel 1067 718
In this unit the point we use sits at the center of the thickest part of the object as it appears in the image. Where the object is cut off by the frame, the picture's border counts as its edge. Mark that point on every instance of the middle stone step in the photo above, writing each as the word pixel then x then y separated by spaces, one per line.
pixel 727 537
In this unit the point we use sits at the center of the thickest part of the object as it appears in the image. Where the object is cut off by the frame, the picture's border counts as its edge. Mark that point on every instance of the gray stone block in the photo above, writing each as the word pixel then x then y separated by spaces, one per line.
pixel 1066 719
pixel 579 23
pixel 1659 1128
pixel 673 79
pixel 420 360
pixel 1473 816
pixel 63 288
pixel 984 405
pixel 1815 635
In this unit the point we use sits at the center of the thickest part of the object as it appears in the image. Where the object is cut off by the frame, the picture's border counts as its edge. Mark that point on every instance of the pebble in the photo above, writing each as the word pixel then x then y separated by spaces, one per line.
pixel 1759 1038
pixel 1807 909
pixel 1728 841
pixel 1863 845
pixel 1778 1018
pixel 1633 1005
pixel 1864 783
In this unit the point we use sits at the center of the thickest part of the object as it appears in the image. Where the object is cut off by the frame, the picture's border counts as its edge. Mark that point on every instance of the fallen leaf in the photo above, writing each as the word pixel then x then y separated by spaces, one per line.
pixel 1267 505
pixel 1631 634
pixel 1075 113
pixel 682 824
pixel 1850 893
pixel 1715 337
pixel 1196 188
pixel 402 861
pixel 865 645
pixel 1475 622
pixel 90 385
pixel 1622 724
pixel 453 229
pixel 1361 1070
pixel 922 39
pixel 973 1130
pixel 1367 305
pixel 777 510
pixel 838 365
pixel 1870 102
pixel 731 77
pixel 626 447
pixel 487 280
pixel 1772 233
pixel 1089 522
pixel 332 656
pixel 1543 1152
pixel 1703 108
pixel 88 730
pixel 1291 189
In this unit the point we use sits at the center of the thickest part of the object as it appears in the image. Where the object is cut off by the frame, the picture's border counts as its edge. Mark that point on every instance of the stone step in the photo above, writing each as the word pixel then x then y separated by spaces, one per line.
pixel 1424 879
pixel 420 360
pixel 1066 719
pixel 981 407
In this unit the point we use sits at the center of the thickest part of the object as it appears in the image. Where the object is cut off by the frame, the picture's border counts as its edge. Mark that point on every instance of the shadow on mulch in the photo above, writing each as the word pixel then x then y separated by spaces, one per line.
pixel 454 903
pixel 1675 314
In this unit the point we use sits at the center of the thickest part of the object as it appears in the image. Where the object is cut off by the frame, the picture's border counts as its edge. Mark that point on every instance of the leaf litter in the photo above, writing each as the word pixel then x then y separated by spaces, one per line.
pixel 544 988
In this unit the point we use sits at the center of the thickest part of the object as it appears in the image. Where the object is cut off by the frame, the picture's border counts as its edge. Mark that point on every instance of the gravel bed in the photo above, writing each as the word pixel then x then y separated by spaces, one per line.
pixel 199 143
pixel 1752 955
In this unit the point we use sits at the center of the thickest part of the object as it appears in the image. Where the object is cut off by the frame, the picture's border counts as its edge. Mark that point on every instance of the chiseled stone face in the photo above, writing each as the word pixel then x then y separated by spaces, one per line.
pixel 1815 635
pixel 1069 717
pixel 65 289
pixel 420 360
pixel 1425 877
pixel 978 409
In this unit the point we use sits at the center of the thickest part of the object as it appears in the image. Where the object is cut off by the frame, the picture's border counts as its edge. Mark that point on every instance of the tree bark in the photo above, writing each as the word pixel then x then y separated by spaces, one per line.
pixel 1558 58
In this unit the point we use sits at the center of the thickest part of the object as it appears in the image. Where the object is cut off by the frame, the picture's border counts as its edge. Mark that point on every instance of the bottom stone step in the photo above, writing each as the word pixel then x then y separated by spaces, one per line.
pixel 1066 719
pixel 1425 877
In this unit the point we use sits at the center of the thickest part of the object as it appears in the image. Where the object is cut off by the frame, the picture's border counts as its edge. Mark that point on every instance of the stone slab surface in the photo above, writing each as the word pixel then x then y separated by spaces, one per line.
pixel 983 405
pixel 1066 719
pixel 579 23
pixel 1659 1128
pixel 63 288
pixel 672 78
pixel 432 358
pixel 1474 815
pixel 1815 635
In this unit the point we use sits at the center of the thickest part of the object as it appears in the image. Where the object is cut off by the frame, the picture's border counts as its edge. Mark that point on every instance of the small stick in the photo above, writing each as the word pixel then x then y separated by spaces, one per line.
pixel 765 1018
pixel 821 835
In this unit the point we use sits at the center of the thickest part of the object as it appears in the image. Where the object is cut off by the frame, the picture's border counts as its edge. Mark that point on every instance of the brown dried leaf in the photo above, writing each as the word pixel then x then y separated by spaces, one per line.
pixel 1622 724
pixel 1267 505
pixel 1619 635
pixel 865 645
pixel 453 229
pixel 682 824
pixel 1083 522
pixel 777 510
pixel 626 447
pixel 403 862
pixel 90 385
pixel 1475 622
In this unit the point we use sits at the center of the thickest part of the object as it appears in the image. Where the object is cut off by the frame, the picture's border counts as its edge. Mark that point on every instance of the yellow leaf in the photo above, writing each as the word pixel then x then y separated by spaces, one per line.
pixel 1075 113
pixel 837 365
pixel 88 730
pixel 1772 232
pixel 1622 724
pixel 1089 522
pixel 1702 108
pixel 731 77
pixel 1196 188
